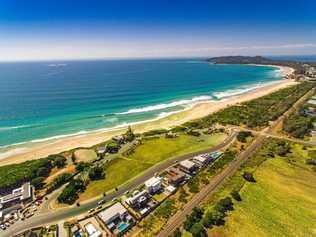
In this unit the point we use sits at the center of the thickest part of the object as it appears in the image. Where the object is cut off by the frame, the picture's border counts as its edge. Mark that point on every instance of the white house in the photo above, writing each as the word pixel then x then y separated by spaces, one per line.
pixel 153 184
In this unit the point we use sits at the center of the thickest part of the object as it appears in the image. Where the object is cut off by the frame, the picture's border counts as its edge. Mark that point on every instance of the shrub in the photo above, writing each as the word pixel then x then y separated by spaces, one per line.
pixel 194 133
pixel 71 192
pixel 213 218
pixel 197 230
pixel 235 194
pixel 59 181
pixel 81 166
pixel 96 172
pixel 155 132
pixel 243 135
pixel 249 177
pixel 38 182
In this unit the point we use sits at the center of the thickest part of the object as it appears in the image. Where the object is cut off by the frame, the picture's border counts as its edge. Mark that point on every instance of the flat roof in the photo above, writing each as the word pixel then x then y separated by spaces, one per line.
pixel 112 211
pixel 22 193
pixel 153 181
pixel 187 164
pixel 312 101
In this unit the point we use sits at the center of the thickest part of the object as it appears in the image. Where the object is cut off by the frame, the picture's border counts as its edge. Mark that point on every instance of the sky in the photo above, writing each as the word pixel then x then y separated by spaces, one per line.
pixel 65 29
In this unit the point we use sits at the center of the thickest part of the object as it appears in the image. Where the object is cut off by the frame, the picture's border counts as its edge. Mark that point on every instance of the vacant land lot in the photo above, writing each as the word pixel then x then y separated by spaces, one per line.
pixel 281 203
pixel 151 152
pixel 85 155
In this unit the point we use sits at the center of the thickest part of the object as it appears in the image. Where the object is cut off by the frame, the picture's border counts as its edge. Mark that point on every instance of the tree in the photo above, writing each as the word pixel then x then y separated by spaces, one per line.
pixel 242 136
pixel 235 194
pixel 249 177
pixel 96 172
pixel 59 161
pixel 196 216
pixel 112 147
pixel 43 171
pixel 213 218
pixel 225 204
pixel 129 135
pixel 81 166
pixel 197 230
pixel 38 182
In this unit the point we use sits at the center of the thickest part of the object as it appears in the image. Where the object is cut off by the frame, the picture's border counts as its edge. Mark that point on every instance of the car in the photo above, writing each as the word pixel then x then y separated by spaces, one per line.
pixel 127 192
pixel 3 227
pixel 176 161
pixel 7 224
pixel 91 210
pixel 114 199
pixel 101 202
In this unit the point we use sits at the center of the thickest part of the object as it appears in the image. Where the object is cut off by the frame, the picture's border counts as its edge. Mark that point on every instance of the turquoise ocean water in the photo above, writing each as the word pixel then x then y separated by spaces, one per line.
pixel 40 101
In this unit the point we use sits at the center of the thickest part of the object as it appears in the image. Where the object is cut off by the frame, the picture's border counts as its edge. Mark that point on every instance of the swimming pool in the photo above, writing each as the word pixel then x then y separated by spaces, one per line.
pixel 122 226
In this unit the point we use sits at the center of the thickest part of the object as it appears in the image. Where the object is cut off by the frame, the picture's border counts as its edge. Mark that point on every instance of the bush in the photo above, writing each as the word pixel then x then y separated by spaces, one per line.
pixel 81 166
pixel 213 218
pixel 38 182
pixel 58 161
pixel 155 132
pixel 224 205
pixel 59 181
pixel 71 192
pixel 193 185
pixel 311 161
pixel 129 135
pixel 243 135
pixel 112 147
pixel 195 217
pixel 194 133
pixel 14 175
pixel 197 230
pixel 235 194
pixel 165 209
pixel 297 125
pixel 96 172
pixel 249 177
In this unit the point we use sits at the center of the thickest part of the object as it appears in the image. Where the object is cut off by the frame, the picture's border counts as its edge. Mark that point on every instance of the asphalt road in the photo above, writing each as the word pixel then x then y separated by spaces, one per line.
pixel 63 214
pixel 177 219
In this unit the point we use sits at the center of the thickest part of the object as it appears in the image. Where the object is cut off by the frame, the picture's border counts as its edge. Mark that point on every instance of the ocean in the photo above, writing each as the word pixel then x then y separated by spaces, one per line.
pixel 41 101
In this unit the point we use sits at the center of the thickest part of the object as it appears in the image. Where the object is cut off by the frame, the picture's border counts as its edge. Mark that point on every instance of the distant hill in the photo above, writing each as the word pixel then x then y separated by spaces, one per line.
pixel 256 60
pixel 241 60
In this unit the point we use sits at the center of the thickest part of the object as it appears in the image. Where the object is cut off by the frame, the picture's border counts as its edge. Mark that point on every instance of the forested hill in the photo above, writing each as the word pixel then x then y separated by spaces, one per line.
pixel 255 60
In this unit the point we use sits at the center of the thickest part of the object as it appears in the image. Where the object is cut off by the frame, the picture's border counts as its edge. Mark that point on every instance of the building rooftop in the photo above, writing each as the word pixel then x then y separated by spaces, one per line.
pixel 312 102
pixel 153 181
pixel 116 209
pixel 187 164
pixel 21 193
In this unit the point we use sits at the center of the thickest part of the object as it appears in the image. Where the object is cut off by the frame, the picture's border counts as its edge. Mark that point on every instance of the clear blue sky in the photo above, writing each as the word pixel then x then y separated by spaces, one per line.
pixel 59 29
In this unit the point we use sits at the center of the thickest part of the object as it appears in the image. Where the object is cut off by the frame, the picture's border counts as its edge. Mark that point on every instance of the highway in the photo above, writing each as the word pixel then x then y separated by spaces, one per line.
pixel 53 216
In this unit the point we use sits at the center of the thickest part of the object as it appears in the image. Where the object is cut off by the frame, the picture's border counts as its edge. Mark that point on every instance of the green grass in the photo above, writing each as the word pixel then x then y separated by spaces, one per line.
pixel 281 203
pixel 156 150
pixel 151 152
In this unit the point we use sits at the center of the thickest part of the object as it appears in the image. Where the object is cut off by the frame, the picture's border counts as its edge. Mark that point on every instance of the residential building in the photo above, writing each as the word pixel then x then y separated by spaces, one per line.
pixel 138 199
pixel 116 218
pixel 154 185
pixel 92 231
pixel 15 199
pixel 188 166
pixel 175 176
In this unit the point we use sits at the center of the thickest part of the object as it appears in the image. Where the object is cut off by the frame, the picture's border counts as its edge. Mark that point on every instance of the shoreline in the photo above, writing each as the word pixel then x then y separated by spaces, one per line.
pixel 29 151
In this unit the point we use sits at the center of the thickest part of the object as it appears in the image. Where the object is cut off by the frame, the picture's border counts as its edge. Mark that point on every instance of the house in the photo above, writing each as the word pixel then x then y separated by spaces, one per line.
pixel 92 231
pixel 311 102
pixel 154 185
pixel 138 199
pixel 15 199
pixel 202 159
pixel 117 219
pixel 188 167
pixel 119 139
pixel 175 176
pixel 101 151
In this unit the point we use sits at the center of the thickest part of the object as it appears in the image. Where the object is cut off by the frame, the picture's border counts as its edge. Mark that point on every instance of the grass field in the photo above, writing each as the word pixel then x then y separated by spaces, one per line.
pixel 151 152
pixel 85 155
pixel 281 203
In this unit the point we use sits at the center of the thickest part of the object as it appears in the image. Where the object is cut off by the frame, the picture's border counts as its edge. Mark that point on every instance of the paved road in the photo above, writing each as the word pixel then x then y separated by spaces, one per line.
pixel 55 216
pixel 177 219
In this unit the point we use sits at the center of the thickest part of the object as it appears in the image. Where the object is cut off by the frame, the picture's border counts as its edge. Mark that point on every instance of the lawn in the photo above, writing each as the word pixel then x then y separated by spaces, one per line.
pixel 151 152
pixel 281 203
pixel 156 150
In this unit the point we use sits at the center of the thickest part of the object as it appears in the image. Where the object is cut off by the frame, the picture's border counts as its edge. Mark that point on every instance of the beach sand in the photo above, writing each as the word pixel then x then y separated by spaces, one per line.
pixel 39 150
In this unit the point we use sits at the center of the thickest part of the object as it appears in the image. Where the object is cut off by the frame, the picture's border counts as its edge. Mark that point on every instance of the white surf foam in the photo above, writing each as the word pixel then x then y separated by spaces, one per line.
pixel 13 127
pixel 167 105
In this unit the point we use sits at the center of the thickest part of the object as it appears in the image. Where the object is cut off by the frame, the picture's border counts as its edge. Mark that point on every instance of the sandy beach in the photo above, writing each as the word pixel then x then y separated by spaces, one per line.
pixel 38 150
